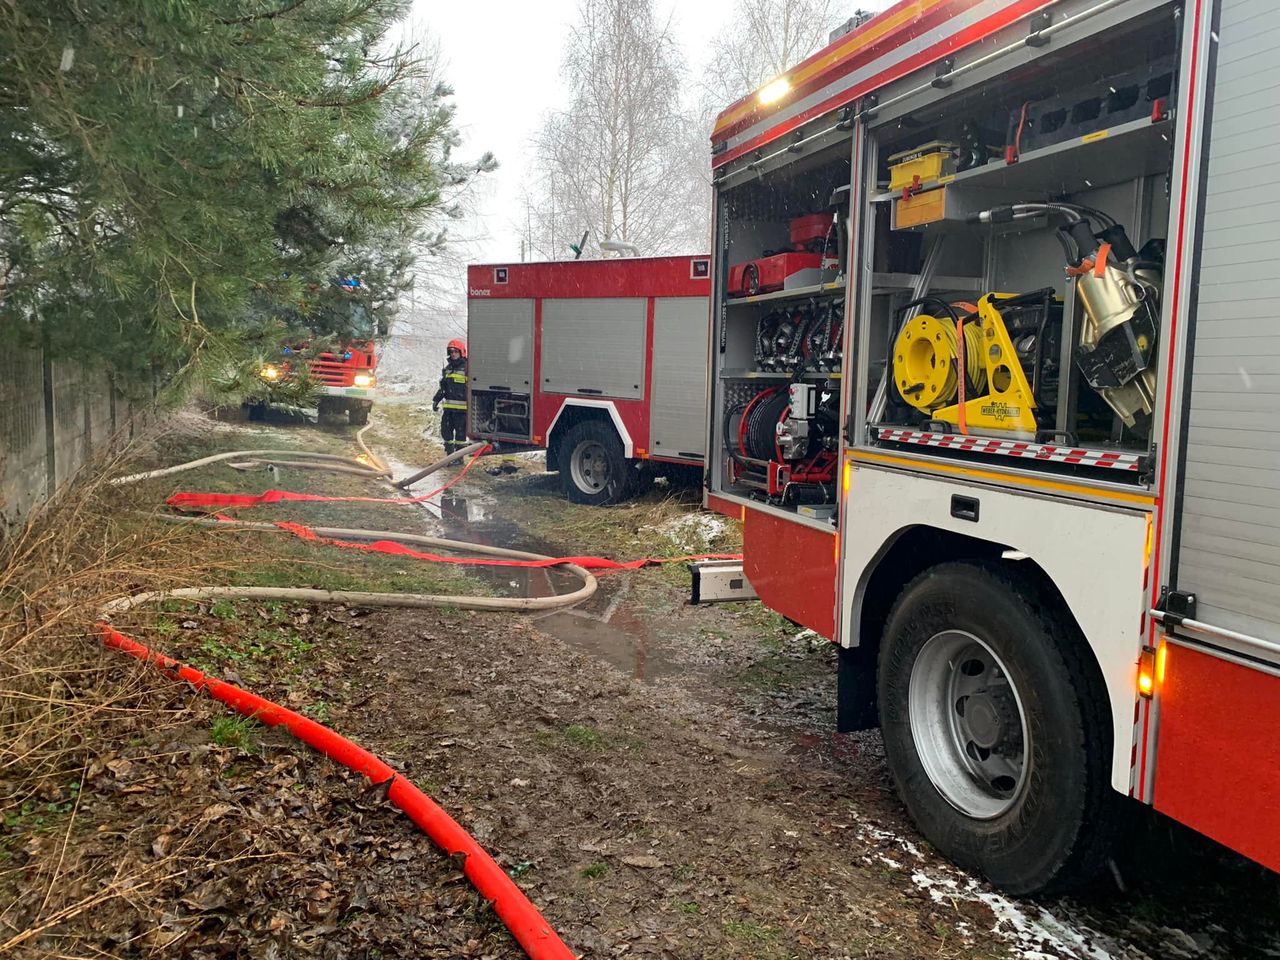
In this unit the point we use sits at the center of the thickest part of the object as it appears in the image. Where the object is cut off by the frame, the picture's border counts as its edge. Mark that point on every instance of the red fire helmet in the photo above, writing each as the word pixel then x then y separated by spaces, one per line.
pixel 459 345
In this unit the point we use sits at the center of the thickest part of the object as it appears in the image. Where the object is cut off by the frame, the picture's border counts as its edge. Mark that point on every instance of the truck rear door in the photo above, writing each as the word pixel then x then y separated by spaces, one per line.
pixel 594 346
pixel 1227 532
pixel 677 424
pixel 500 345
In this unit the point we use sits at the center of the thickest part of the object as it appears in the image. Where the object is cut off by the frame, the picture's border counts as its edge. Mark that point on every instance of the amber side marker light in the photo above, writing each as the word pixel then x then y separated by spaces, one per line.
pixel 1148 668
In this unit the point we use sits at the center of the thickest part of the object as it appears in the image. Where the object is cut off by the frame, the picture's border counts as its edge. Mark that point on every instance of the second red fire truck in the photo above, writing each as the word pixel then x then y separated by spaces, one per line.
pixel 602 363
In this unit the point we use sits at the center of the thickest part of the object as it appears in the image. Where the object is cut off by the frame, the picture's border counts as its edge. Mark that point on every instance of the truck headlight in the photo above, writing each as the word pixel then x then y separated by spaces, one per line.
pixel 364 380
pixel 270 372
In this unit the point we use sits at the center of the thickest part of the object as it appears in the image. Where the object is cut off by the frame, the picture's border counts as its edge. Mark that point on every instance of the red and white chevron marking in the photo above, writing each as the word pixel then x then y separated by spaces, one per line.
pixel 1014 448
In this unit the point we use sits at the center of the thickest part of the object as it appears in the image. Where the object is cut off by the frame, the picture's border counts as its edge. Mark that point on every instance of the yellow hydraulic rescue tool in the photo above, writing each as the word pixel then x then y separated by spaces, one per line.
pixel 995 394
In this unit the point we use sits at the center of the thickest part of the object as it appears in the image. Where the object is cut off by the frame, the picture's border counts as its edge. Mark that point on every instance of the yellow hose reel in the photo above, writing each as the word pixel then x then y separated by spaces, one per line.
pixel 926 357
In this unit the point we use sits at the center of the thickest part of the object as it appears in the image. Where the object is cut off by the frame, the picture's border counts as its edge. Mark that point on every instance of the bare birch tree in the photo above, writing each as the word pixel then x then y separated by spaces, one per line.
pixel 763 39
pixel 614 164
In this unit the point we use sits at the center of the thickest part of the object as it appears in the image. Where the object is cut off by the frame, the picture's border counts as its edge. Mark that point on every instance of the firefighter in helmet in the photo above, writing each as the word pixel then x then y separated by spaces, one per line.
pixel 453 394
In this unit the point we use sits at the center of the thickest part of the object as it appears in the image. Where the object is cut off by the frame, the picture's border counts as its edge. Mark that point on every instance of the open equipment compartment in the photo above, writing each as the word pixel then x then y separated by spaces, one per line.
pixel 778 334
pixel 1039 204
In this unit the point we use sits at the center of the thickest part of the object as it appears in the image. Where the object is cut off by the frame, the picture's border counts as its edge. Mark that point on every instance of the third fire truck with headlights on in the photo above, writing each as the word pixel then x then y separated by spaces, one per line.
pixel 1018 451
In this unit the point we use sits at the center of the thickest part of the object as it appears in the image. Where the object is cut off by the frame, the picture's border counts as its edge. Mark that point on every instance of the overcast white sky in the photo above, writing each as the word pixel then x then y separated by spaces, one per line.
pixel 503 57
pixel 503 60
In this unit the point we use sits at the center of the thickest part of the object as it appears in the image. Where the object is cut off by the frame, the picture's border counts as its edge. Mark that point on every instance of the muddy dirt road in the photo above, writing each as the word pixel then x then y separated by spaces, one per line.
pixel 663 780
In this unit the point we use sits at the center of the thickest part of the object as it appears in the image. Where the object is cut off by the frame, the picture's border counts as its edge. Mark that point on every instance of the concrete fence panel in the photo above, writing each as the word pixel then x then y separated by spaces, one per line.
pixel 55 416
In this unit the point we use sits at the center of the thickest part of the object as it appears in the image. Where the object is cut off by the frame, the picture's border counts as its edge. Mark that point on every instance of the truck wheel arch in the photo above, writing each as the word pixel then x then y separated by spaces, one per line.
pixel 903 556
pixel 576 409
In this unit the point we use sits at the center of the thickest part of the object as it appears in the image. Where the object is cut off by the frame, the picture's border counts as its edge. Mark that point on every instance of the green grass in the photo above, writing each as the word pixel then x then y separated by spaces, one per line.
pixel 235 731
pixel 749 931
pixel 33 815
pixel 292 563
pixel 584 738
pixel 773 671
pixel 398 427
pixel 224 610
pixel 594 871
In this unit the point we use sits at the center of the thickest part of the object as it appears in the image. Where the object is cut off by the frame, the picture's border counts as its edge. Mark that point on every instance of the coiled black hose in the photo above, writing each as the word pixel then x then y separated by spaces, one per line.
pixel 759 438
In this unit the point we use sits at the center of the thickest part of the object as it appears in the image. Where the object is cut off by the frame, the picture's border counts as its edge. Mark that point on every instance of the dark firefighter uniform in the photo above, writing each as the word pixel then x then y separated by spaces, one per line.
pixel 453 396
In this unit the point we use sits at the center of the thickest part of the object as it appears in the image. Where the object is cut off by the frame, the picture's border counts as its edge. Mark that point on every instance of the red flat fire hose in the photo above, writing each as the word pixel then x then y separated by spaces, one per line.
pixel 521 917
pixel 231 500
pixel 587 563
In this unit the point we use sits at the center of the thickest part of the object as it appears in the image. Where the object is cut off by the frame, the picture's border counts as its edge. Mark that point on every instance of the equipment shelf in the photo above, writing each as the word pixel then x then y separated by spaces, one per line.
pixel 779 375
pixel 882 283
pixel 1117 154
pixel 797 293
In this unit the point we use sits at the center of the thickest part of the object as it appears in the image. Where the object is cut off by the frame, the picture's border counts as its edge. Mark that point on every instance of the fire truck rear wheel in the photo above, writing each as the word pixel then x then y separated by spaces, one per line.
pixel 1000 759
pixel 593 467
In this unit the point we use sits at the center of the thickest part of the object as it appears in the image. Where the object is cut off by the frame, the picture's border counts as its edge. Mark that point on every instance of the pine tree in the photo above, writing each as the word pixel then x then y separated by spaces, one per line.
pixel 180 179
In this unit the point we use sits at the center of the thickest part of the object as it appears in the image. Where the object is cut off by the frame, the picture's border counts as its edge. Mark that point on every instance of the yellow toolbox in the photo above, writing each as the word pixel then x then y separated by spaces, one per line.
pixel 919 209
pixel 926 162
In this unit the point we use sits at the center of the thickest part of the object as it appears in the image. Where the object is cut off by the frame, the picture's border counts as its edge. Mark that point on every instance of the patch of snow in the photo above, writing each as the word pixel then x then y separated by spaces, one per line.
pixel 870 831
pixel 1031 930
pixel 694 528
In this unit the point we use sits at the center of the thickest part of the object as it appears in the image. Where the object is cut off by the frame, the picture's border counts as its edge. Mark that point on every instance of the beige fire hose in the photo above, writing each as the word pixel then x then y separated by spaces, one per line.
pixel 327 461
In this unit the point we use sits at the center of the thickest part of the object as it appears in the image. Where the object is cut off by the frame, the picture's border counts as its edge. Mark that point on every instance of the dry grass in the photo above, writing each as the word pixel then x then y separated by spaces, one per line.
pixel 72 715
pixel 64 702
pixel 56 572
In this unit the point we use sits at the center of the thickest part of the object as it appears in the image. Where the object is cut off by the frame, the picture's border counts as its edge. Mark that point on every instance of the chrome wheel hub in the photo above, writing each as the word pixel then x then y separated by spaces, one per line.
pixel 968 724
pixel 589 465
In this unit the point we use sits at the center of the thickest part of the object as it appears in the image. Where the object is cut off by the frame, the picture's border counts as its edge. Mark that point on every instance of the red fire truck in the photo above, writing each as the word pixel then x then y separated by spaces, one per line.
pixel 343 379
pixel 602 363
pixel 1016 446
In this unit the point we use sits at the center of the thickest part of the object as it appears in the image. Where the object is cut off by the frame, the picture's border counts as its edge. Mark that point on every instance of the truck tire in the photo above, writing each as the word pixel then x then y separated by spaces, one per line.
pixel 358 413
pixel 997 740
pixel 593 469
pixel 256 410
pixel 328 409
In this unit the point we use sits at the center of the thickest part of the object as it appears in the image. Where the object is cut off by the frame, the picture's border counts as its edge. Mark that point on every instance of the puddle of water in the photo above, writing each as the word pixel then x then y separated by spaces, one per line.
pixel 605 626
pixel 624 642
pixel 470 519
pixel 609 628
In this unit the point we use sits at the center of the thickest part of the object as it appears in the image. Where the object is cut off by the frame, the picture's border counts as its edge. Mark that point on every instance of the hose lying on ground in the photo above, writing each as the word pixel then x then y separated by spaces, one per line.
pixel 476 448
pixel 295 456
pixel 524 921
pixel 515 910
pixel 521 917
pixel 366 598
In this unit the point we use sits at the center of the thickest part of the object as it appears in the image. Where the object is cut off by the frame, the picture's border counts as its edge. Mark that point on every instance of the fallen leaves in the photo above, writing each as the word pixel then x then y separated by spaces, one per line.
pixel 644 861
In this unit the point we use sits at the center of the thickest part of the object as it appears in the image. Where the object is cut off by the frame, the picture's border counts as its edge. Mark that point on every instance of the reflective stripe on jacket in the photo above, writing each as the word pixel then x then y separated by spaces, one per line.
pixel 453 385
